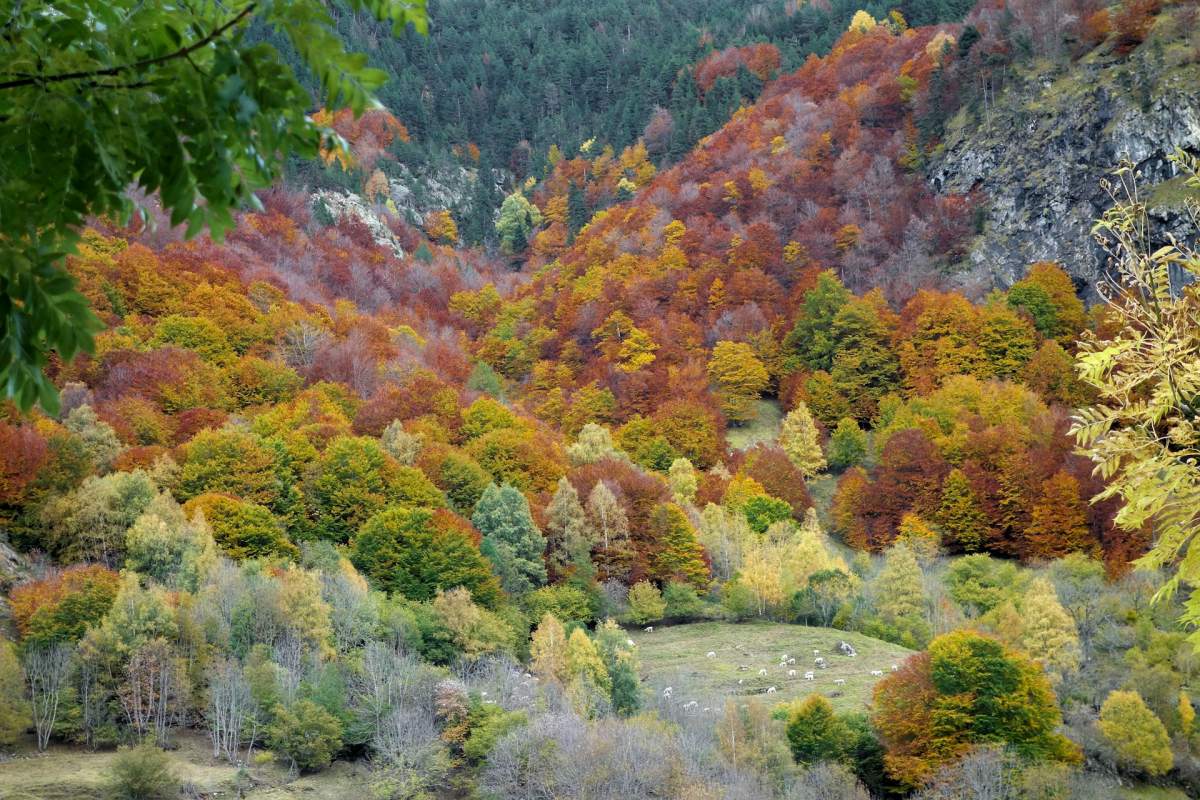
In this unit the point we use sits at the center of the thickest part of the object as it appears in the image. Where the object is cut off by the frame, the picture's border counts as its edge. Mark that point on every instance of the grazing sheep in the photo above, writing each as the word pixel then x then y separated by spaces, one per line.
pixel 791 661
pixel 840 682
pixel 667 692
pixel 783 658
pixel 527 676
pixel 816 652
pixel 743 667
pixel 740 681
pixel 770 690
pixel 710 654
pixel 690 704
pixel 895 667
pixel 762 672
pixel 630 642
pixel 707 709
pixel 878 673
pixel 820 662
pixel 791 673
pixel 649 629
pixel 808 676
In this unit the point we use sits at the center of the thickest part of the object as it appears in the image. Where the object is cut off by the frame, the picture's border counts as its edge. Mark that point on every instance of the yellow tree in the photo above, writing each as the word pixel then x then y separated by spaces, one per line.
pixel 548 649
pixel 1047 631
pixel 739 377
pixel 801 441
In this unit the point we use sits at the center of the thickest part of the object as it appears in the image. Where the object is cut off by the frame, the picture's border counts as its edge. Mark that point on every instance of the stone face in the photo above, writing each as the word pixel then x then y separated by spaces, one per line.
pixel 846 649
pixel 1040 154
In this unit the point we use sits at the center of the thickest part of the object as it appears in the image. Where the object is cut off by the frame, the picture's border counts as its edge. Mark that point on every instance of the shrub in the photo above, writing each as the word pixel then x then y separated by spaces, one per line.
pixel 142 773
pixel 646 603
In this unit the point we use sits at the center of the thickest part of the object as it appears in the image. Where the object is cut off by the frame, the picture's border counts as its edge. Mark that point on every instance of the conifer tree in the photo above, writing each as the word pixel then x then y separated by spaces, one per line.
pixel 801 441
pixel 960 515
pixel 1047 631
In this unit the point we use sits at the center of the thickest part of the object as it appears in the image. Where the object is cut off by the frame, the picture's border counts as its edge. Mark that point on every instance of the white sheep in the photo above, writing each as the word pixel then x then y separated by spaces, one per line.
pixel 791 673
pixel 630 642
pixel 770 690
pixel 690 705
pixel 707 709
pixel 710 654
pixel 762 672
pixel 816 652
pixel 895 667
pixel 740 681
pixel 667 692
pixel 808 676
pixel 649 629
pixel 840 682
pixel 791 661
pixel 878 673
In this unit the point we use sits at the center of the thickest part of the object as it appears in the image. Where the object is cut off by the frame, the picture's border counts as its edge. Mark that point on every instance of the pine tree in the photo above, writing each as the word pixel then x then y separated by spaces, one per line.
pixel 1047 631
pixel 1138 738
pixel 801 441
pixel 511 540
pixel 1058 525
pixel 680 555
pixel 960 515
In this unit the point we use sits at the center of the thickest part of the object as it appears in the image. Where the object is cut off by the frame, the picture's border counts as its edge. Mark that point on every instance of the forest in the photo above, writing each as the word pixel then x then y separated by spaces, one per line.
pixel 686 462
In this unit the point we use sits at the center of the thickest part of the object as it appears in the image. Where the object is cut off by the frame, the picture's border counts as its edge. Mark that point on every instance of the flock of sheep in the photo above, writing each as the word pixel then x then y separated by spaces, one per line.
pixel 787 663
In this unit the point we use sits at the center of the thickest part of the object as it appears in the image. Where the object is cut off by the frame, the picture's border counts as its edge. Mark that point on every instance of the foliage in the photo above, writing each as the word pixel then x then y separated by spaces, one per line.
pixel 646 603
pixel 814 733
pixel 511 540
pixel 847 445
pixel 800 439
pixel 306 734
pixel 680 555
pixel 142 773
pixel 242 529
pixel 739 377
pixel 14 711
pixel 236 100
pixel 1135 734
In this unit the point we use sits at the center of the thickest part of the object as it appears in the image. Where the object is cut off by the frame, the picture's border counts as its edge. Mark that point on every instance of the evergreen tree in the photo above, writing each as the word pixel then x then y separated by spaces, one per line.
pixel 810 340
pixel 814 732
pixel 801 441
pixel 511 540
pixel 960 515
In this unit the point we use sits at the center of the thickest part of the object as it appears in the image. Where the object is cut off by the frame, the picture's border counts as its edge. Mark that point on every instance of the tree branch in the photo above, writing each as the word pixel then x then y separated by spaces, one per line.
pixel 183 52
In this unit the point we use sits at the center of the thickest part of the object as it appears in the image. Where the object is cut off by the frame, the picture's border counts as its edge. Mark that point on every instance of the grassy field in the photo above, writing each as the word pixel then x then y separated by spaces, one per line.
pixel 763 428
pixel 72 773
pixel 677 656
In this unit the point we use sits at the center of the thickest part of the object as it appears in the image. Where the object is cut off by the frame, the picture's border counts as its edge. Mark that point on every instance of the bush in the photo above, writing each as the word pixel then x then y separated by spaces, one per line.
pixel 682 601
pixel 306 734
pixel 646 603
pixel 1137 737
pixel 567 603
pixel 142 773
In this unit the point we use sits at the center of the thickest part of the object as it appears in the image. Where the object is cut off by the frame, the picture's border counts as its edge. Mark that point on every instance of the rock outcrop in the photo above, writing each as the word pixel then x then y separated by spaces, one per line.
pixel 1040 153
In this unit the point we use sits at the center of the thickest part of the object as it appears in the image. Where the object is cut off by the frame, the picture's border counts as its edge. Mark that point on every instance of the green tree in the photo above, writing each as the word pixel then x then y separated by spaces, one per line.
pixel 682 479
pixel 162 544
pixel 646 603
pixel 99 439
pixel 306 734
pixel 242 529
pixel 900 589
pixel 847 445
pixel 959 514
pixel 217 114
pixel 739 377
pixel 14 709
pixel 511 540
pixel 1137 737
pixel 417 552
pixel 568 533
pixel 810 340
pixel 518 217
pixel 801 441
pixel 814 732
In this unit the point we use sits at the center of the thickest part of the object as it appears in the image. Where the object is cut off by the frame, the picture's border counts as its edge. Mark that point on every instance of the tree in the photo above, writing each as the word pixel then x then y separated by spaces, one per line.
pixel 548 649
pixel 646 603
pixel 46 671
pixel 89 524
pixel 568 533
pixel 814 732
pixel 61 607
pixel 162 545
pixel 680 555
pixel 242 529
pixel 801 441
pixel 1047 631
pixel 900 587
pixel 1153 474
pixel 827 590
pixel 960 516
pixel 584 667
pixel 614 548
pixel 594 443
pixel 306 734
pixel 1058 524
pixel 518 217
pixel 739 377
pixel 811 338
pixel 418 552
pixel 682 478
pixel 1137 737
pixel 100 441
pixel 965 690
pixel 14 710
pixel 235 100
pixel 847 445
pixel 142 773
pixel 511 540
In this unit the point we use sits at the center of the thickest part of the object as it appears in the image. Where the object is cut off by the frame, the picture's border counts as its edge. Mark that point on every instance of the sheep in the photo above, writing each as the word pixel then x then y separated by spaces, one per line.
pixel 895 667
pixel 791 673
pixel 710 654
pixel 740 681
pixel 808 676
pixel 840 682
pixel 527 676
pixel 783 658
pixel 816 652
pixel 743 667
pixel 770 690
pixel 690 705
pixel 630 642
pixel 649 629
pixel 877 673
pixel 762 672
pixel 667 692
pixel 707 709
pixel 791 661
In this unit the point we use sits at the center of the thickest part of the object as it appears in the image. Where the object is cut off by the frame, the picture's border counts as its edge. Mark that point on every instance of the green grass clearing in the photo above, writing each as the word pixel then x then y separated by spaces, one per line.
pixel 676 656
pixel 763 428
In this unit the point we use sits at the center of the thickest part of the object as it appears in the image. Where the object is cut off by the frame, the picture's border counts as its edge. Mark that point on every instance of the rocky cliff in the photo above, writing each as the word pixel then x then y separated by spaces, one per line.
pixel 1040 152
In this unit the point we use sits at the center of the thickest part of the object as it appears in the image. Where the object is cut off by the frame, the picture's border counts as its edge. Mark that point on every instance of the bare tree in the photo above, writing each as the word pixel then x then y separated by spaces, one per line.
pixel 231 710
pixel 150 690
pixel 46 670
